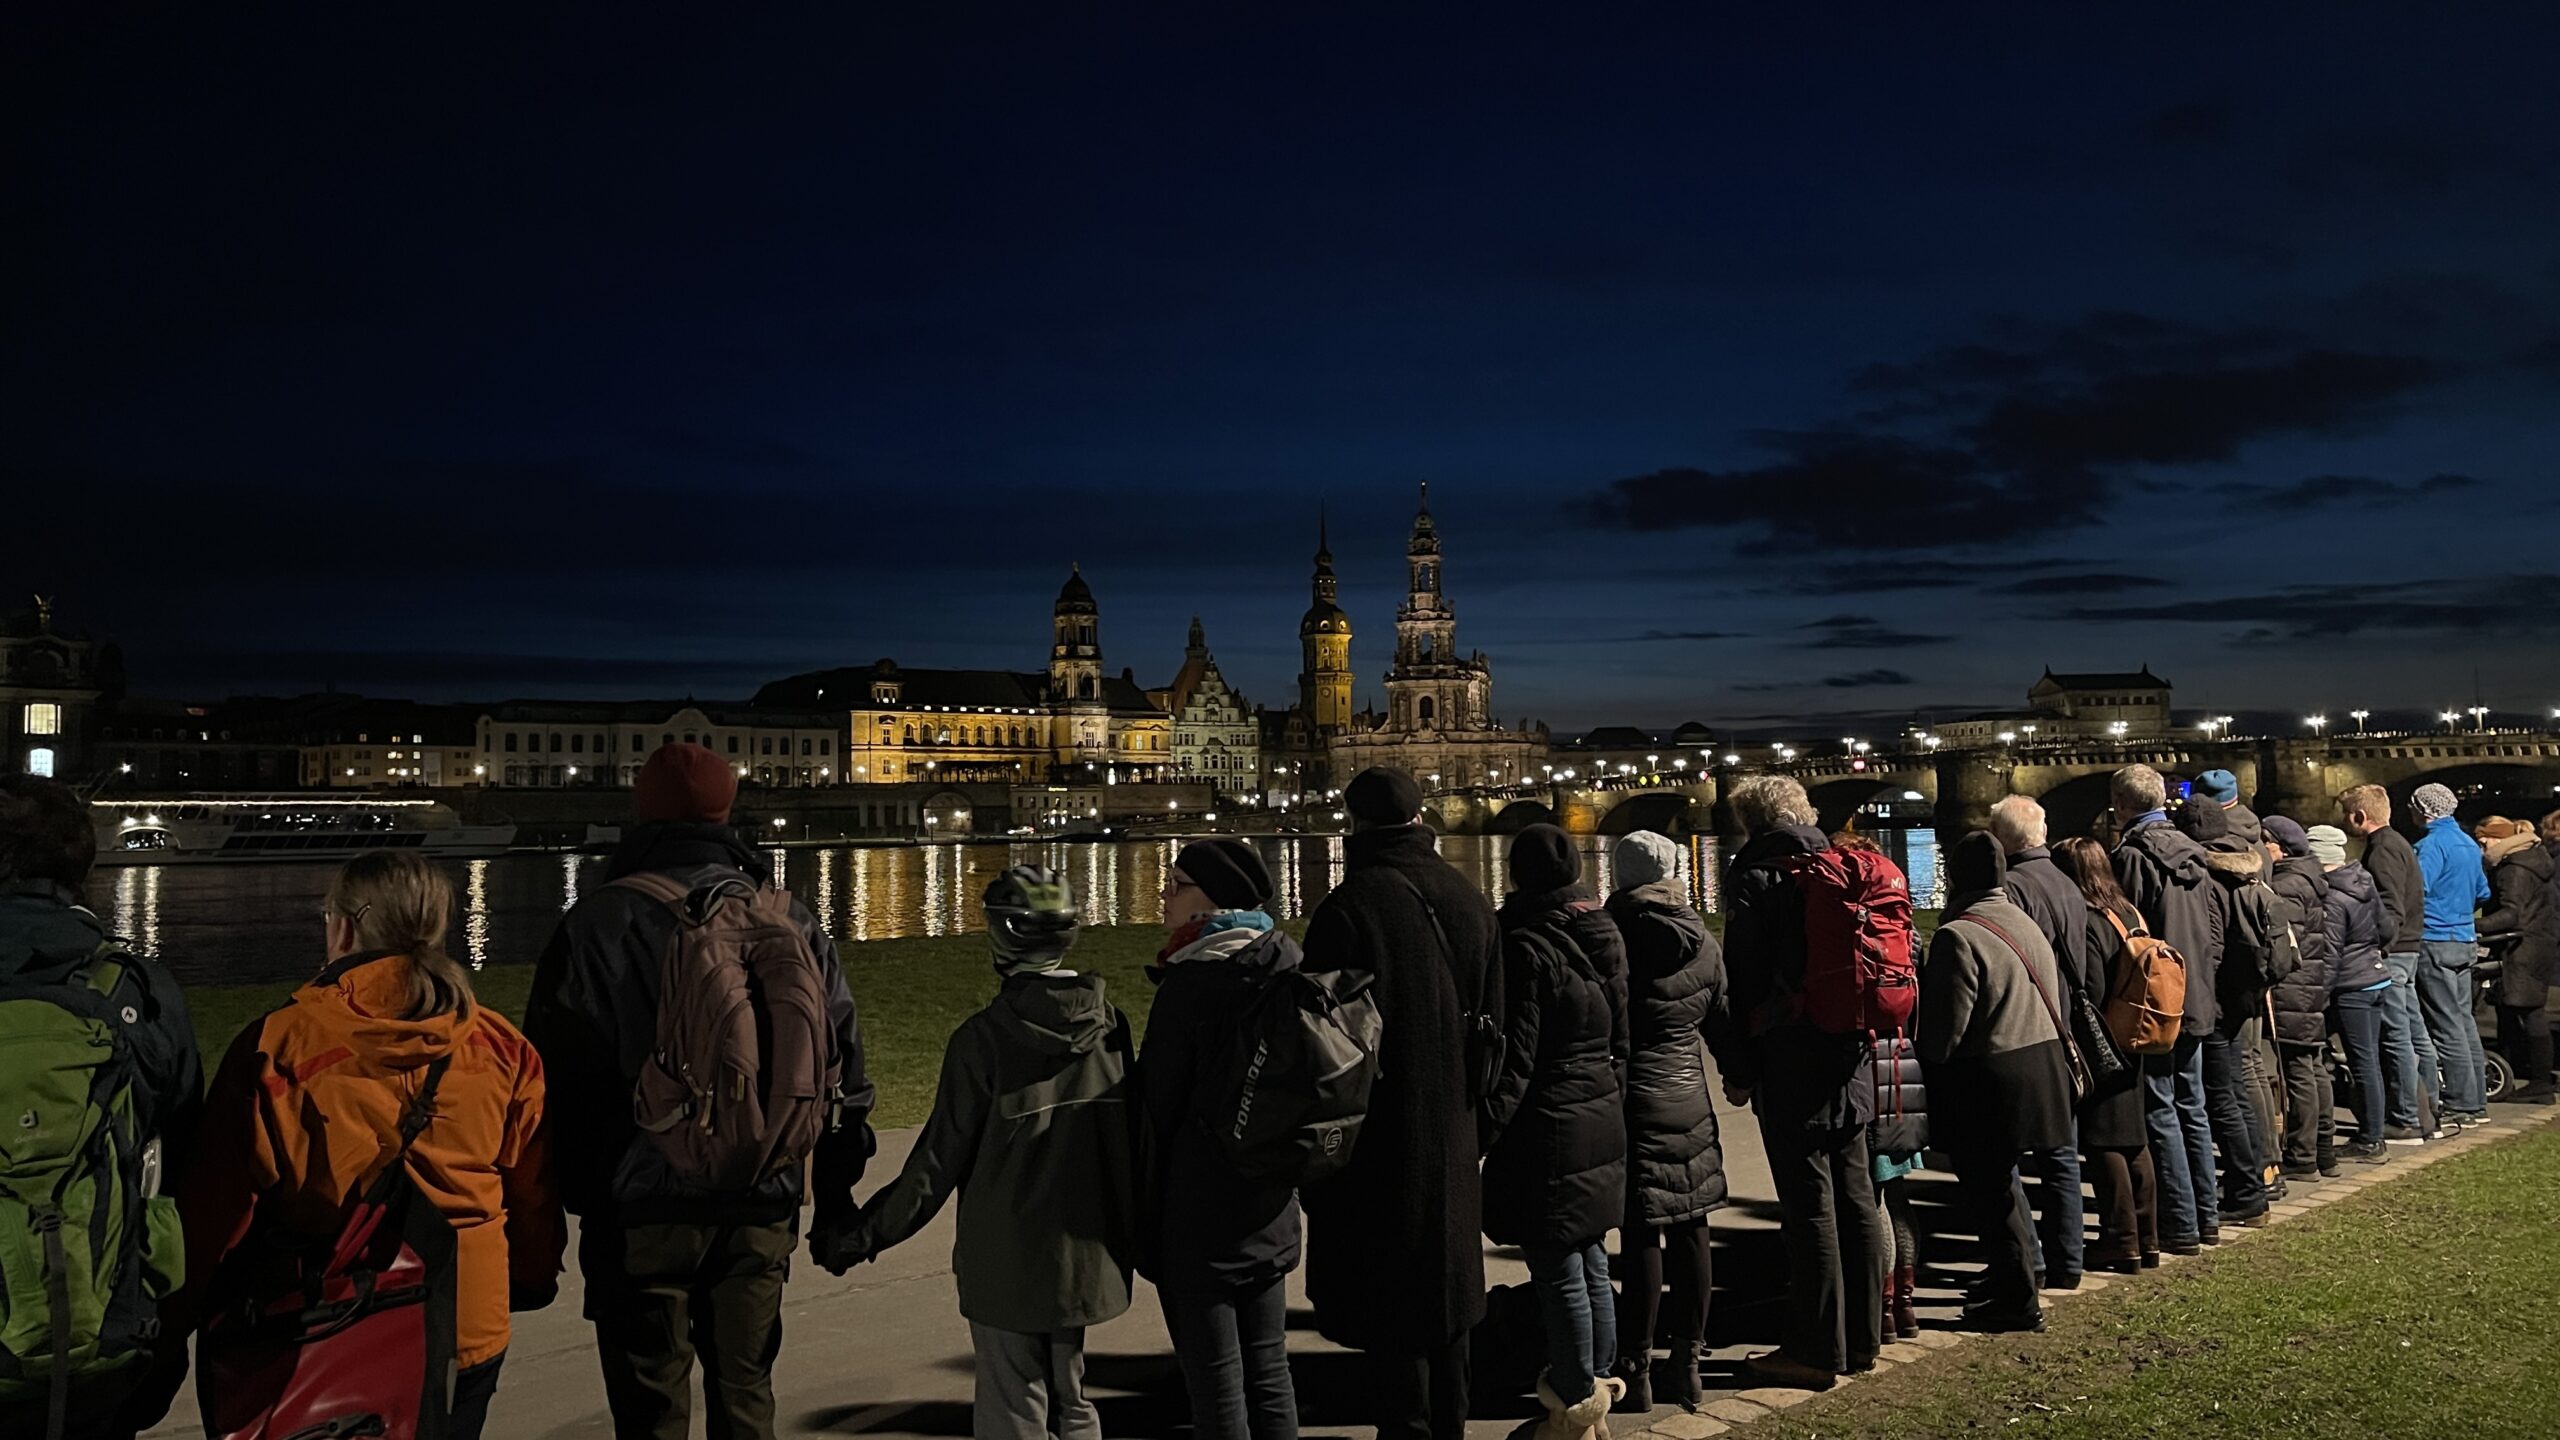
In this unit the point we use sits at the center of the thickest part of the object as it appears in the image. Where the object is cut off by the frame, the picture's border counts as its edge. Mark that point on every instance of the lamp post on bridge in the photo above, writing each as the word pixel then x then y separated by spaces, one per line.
pixel 2360 716
pixel 2479 717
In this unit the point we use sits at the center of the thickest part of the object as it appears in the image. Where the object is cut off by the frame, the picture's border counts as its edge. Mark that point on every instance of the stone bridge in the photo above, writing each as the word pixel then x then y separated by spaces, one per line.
pixel 1955 790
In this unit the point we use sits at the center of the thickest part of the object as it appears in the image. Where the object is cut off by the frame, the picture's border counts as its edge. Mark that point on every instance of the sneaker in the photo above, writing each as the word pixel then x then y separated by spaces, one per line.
pixel 2302 1172
pixel 2368 1152
pixel 2402 1135
pixel 2473 1117
pixel 2184 1247
pixel 2210 1237
pixel 1993 1321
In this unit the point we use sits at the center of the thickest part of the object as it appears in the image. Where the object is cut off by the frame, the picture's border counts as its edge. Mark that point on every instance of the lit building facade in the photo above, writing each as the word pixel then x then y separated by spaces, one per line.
pixel 560 743
pixel 2088 706
pixel 51 685
pixel 1215 736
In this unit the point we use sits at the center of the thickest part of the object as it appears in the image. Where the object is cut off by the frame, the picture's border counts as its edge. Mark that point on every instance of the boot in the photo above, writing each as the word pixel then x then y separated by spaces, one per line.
pixel 1608 1393
pixel 1892 1295
pixel 2327 1161
pixel 1635 1372
pixel 1906 1318
pixel 1684 1389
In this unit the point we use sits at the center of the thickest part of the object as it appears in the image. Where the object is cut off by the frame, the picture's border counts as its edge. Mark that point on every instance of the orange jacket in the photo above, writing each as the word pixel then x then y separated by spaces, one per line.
pixel 306 1108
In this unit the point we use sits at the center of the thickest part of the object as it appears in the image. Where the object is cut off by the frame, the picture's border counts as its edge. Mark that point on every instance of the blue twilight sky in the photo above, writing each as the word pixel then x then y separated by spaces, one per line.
pixel 1854 364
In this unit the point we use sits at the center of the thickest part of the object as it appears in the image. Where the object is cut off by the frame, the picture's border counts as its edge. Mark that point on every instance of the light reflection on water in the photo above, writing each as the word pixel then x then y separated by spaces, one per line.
pixel 258 923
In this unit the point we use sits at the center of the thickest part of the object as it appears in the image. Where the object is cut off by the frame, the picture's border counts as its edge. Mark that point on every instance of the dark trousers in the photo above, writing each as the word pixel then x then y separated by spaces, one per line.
pixel 472 1388
pixel 1835 1257
pixel 2061 1212
pixel 2227 1081
pixel 2524 1037
pixel 2128 1203
pixel 1986 1192
pixel 662 1295
pixel 1421 1395
pixel 1234 1350
pixel 2359 1014
pixel 2310 1106
pixel 1647 1257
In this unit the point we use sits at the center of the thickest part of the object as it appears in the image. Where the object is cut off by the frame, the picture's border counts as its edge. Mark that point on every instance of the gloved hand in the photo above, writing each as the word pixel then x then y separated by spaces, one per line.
pixel 838 1243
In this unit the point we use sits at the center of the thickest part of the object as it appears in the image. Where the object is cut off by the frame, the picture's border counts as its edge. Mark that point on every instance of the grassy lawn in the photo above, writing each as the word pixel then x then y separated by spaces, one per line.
pixel 2422 1307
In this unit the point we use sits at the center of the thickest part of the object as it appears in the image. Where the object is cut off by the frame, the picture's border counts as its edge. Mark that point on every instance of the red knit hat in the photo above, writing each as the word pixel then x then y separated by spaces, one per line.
pixel 684 782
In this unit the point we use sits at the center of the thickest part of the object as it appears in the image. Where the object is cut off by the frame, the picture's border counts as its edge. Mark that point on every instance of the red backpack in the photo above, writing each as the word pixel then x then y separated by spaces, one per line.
pixel 1858 974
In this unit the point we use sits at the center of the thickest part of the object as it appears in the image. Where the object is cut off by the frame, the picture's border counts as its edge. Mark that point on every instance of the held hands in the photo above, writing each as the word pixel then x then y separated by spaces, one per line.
pixel 837 1245
pixel 1737 1094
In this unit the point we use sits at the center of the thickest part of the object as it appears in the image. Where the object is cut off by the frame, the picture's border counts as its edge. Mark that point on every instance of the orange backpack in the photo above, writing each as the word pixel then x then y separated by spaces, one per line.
pixel 2147 992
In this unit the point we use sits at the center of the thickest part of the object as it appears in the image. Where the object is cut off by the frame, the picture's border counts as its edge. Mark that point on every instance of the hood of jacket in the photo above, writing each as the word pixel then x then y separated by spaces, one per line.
pixel 2236 867
pixel 1389 845
pixel 2353 881
pixel 2168 846
pixel 1773 845
pixel 683 845
pixel 358 1000
pixel 2308 869
pixel 2526 850
pixel 45 931
pixel 1658 924
pixel 1054 1014
pixel 1242 946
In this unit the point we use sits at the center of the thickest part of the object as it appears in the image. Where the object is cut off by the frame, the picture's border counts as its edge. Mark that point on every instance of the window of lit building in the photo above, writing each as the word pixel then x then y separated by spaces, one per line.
pixel 40 762
pixel 44 718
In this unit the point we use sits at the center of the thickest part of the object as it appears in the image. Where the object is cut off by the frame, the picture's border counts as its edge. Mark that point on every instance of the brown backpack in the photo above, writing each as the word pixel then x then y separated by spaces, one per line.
pixel 2146 992
pixel 737 1086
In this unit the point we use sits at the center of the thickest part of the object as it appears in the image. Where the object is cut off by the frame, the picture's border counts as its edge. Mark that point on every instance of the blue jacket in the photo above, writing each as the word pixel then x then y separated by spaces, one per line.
pixel 2457 883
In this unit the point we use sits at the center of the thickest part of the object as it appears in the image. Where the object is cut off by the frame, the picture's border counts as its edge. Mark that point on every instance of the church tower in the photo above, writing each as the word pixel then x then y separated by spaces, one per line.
pixel 1432 686
pixel 1324 644
pixel 1075 647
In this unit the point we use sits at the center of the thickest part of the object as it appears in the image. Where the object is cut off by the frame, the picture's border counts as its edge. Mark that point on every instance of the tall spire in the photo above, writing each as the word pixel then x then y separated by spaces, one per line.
pixel 1324 543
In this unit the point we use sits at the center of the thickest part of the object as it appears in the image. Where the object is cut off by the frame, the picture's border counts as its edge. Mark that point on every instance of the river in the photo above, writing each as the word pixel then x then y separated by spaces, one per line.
pixel 260 923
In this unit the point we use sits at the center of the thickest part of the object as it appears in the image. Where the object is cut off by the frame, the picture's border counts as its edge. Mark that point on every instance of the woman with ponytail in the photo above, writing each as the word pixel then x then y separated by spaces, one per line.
pixel 305 1113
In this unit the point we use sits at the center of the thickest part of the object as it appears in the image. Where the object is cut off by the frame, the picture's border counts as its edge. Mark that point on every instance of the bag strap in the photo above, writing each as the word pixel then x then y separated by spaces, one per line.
pixel 2032 979
pixel 414 1120
pixel 1440 934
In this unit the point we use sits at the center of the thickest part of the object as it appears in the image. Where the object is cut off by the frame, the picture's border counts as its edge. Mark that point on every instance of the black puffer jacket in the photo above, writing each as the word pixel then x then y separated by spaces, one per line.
pixel 1555 1170
pixel 2302 998
pixel 1901 1126
pixel 1675 985
pixel 2518 926
pixel 1800 1078
pixel 2358 927
pixel 2163 873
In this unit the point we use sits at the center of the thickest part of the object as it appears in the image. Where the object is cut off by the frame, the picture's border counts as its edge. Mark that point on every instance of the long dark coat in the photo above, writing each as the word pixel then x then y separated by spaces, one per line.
pixel 2302 998
pixel 2110 1119
pixel 1555 1166
pixel 2519 925
pixel 1675 987
pixel 1395 1255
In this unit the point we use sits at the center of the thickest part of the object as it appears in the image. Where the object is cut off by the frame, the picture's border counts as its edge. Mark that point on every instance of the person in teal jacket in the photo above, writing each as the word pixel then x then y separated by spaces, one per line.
pixel 2457 885
pixel 1035 1124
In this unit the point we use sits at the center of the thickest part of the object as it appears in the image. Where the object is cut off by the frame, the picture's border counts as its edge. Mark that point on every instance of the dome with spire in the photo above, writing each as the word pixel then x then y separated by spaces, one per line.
pixel 1075 597
pixel 1325 616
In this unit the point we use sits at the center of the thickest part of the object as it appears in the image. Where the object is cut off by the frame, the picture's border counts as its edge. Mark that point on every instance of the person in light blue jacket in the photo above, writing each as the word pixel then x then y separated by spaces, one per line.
pixel 2457 885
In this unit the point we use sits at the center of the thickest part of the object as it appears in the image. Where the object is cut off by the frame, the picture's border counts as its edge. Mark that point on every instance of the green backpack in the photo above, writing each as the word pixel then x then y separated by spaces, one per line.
pixel 85 1252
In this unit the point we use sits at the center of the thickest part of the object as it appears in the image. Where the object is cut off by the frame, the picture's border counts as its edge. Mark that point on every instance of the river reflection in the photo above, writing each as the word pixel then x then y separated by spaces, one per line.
pixel 217 924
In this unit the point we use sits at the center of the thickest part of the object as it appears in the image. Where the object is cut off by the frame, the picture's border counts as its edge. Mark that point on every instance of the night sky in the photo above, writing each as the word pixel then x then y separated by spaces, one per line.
pixel 1855 367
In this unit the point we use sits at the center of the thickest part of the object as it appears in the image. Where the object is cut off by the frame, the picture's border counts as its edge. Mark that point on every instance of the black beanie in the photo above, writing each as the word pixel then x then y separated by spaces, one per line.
pixel 1380 796
pixel 1542 859
pixel 2203 821
pixel 1976 864
pixel 1227 871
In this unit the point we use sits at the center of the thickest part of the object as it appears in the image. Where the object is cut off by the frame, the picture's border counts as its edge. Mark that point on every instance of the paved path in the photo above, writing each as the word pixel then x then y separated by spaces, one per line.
pixel 883 1350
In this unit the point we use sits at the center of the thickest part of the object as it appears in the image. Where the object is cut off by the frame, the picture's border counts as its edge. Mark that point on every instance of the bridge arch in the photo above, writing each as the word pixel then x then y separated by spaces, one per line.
pixel 953 815
pixel 2078 805
pixel 1519 815
pixel 1664 812
pixel 1835 801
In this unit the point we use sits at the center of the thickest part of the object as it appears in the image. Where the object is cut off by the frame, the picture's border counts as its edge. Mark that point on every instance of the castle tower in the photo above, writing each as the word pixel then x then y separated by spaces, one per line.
pixel 1432 686
pixel 1075 647
pixel 1324 645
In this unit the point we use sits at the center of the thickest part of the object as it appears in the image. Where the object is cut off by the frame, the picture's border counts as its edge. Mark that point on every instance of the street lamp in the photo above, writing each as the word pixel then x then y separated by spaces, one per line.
pixel 2117 729
pixel 2360 716
pixel 1930 741
pixel 2030 732
pixel 1653 762
pixel 2007 736
pixel 1681 764
pixel 1736 759
pixel 2450 718
pixel 2479 717
pixel 2319 723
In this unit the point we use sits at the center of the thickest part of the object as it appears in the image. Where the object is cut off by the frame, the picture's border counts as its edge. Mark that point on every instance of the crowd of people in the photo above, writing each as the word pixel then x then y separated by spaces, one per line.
pixel 1540 1078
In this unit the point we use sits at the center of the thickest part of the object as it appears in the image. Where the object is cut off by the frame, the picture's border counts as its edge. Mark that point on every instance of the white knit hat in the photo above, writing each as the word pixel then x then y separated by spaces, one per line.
pixel 1643 858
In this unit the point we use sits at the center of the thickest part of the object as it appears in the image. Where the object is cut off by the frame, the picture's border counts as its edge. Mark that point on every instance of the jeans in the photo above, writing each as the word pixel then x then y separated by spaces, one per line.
pixel 2407 1052
pixel 1835 1255
pixel 2234 1129
pixel 2445 996
pixel 473 1385
pixel 662 1296
pixel 2062 1218
pixel 1031 1386
pixel 1234 1352
pixel 1987 1192
pixel 2311 1111
pixel 2181 1139
pixel 2359 1017
pixel 1580 1312
pixel 1420 1395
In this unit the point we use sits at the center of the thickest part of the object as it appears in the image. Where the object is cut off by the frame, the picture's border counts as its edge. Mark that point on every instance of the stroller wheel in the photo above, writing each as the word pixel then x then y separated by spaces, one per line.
pixel 2502 1076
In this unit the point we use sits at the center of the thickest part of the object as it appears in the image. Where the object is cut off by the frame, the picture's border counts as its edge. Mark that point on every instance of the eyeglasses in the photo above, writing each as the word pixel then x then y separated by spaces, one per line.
pixel 328 914
pixel 1180 883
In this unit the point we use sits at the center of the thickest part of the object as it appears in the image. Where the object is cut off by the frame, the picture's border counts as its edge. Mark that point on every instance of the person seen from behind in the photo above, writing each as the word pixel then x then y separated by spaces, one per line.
pixel 1395 1251
pixel 306 1110
pixel 2521 927
pixel 1896 1140
pixel 2357 926
pixel 2413 1082
pixel 1675 1158
pixel 2037 886
pixel 2164 878
pixel 2310 1148
pixel 2457 885
pixel 2242 1117
pixel 1991 1043
pixel 1033 1123
pixel 1218 1244
pixel 62 978
pixel 686 1229
pixel 1555 1170
pixel 2114 1141
pixel 1812 1093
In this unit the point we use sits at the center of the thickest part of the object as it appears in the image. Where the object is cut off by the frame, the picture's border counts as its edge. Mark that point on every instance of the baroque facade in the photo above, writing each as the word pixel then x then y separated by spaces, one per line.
pixel 1215 736
pixel 51 686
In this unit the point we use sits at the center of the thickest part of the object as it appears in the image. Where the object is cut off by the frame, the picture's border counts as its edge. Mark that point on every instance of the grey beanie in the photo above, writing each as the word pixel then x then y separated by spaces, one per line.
pixel 1643 858
pixel 2432 802
pixel 2328 844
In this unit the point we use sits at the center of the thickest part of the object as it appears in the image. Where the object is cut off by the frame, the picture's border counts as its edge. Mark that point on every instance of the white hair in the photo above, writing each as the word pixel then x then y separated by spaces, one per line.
pixel 1764 802
pixel 2138 785
pixel 2017 822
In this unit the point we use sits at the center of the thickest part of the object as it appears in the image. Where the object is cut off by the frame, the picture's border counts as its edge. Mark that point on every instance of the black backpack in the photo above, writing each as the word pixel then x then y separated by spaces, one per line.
pixel 1287 1102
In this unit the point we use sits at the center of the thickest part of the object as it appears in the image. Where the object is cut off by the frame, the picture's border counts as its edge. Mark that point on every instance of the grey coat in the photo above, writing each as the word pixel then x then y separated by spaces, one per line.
pixel 1990 993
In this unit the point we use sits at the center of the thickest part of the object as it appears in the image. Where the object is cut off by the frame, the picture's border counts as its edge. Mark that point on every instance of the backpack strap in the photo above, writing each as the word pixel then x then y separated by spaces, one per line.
pixel 421 1112
pixel 2050 1011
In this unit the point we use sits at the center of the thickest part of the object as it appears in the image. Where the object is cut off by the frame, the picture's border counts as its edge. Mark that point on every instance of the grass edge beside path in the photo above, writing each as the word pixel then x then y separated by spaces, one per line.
pixel 2425 1303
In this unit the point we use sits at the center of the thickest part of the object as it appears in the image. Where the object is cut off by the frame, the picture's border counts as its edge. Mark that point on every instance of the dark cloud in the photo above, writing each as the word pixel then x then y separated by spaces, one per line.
pixel 1853 680
pixel 2194 125
pixel 1852 492
pixel 2093 584
pixel 2500 606
pixel 2172 417
pixel 1867 581
pixel 1865 632
pixel 2407 162
pixel 2326 492
pixel 1654 635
